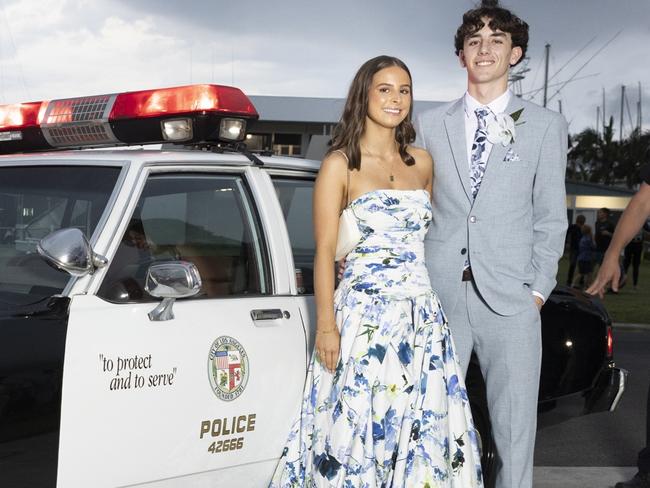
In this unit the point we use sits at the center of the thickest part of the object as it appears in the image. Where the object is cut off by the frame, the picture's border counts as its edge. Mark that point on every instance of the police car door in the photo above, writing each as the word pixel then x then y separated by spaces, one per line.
pixel 207 397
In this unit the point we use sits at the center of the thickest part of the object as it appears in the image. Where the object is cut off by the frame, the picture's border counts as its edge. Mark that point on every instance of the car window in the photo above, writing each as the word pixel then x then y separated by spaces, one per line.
pixel 295 197
pixel 204 219
pixel 35 201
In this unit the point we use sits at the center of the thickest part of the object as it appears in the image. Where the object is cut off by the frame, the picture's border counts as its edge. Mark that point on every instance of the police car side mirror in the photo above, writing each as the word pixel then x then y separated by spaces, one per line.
pixel 69 250
pixel 169 281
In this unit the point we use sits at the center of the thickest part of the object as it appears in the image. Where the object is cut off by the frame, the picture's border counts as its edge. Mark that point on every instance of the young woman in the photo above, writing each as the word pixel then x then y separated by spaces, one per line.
pixel 385 402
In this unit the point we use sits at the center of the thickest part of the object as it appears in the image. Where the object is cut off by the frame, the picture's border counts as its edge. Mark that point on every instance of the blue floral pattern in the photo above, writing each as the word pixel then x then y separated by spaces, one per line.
pixel 395 412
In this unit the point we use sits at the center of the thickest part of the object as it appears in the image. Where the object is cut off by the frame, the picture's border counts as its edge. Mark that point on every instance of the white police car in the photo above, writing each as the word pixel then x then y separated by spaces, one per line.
pixel 102 384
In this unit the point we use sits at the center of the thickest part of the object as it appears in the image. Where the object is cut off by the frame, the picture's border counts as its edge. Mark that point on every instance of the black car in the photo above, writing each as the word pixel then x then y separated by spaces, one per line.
pixel 578 374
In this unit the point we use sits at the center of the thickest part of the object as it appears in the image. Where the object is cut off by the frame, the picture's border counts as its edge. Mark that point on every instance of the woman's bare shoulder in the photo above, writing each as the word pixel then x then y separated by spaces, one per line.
pixel 335 158
pixel 421 156
pixel 334 165
pixel 418 152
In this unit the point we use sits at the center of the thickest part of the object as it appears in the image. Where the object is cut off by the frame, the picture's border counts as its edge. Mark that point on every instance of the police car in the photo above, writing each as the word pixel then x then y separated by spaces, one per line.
pixel 156 306
pixel 153 316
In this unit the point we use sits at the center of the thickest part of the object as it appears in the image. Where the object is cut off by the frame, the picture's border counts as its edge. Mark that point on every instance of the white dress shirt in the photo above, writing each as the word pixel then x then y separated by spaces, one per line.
pixel 496 106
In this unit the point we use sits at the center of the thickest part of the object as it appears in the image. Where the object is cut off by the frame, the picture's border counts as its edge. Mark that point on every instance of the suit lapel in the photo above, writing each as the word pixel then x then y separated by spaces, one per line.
pixel 455 127
pixel 498 151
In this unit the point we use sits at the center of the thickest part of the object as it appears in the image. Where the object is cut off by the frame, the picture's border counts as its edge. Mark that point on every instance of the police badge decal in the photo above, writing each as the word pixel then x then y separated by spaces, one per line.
pixel 227 368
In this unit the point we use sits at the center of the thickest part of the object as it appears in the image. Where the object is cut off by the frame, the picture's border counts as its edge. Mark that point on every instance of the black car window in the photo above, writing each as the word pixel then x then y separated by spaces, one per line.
pixel 295 197
pixel 35 201
pixel 205 219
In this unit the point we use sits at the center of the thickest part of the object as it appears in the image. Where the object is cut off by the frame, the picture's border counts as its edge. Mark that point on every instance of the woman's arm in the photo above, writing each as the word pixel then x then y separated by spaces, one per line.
pixel 329 192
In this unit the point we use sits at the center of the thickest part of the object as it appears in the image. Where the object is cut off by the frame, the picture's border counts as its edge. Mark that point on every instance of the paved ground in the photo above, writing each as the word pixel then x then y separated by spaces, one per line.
pixel 632 326
pixel 597 451
pixel 605 439
pixel 589 477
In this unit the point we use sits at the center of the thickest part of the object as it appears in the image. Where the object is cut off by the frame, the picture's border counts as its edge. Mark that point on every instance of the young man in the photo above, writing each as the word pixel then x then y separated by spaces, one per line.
pixel 498 226
pixel 632 220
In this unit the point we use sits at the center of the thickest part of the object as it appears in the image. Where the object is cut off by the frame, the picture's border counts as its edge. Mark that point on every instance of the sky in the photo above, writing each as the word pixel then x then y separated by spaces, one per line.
pixel 55 49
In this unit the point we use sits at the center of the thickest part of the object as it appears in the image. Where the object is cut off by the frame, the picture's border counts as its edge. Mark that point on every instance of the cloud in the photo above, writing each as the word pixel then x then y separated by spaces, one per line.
pixel 53 49
pixel 118 55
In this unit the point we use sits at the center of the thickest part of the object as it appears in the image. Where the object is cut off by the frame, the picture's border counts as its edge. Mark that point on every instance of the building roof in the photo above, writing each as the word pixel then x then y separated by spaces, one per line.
pixel 310 109
pixel 595 189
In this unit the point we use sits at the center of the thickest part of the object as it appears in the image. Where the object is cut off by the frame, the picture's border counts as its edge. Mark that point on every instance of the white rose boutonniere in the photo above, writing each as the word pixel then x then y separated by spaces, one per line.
pixel 501 130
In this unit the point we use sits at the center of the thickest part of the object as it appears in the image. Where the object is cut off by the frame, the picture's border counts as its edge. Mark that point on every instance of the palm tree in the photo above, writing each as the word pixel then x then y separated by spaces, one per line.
pixel 635 152
pixel 582 153
pixel 593 157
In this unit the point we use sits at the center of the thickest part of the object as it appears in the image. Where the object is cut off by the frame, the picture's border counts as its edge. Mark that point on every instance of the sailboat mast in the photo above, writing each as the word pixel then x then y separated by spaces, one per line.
pixel 548 50
pixel 639 112
pixel 620 138
pixel 604 117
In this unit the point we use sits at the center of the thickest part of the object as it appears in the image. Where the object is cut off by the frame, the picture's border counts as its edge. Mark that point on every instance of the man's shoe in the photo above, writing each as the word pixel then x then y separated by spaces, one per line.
pixel 640 480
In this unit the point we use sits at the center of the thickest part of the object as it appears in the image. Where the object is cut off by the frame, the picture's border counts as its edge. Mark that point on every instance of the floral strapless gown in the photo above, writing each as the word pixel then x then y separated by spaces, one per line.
pixel 395 412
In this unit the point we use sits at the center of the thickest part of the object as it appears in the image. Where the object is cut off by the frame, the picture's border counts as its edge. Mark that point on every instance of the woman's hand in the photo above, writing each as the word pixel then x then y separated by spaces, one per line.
pixel 327 347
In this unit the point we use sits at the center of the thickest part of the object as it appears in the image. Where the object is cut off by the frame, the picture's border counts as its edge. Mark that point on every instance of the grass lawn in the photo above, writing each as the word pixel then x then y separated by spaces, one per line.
pixel 629 306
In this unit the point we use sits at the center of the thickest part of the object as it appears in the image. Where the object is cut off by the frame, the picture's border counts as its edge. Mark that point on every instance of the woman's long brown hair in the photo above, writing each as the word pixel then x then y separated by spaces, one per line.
pixel 348 131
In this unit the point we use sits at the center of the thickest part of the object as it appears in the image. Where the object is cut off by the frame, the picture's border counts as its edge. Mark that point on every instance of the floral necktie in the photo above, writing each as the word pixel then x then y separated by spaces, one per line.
pixel 479 153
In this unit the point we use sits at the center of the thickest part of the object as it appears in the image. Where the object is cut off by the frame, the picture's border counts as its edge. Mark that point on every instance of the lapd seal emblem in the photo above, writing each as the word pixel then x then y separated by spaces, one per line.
pixel 227 368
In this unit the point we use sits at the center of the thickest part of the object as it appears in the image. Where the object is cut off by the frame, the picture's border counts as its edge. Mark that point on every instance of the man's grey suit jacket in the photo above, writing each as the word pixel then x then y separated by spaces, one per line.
pixel 514 230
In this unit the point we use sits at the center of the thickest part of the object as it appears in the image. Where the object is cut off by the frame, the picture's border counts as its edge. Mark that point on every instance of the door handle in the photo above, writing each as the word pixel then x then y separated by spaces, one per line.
pixel 267 314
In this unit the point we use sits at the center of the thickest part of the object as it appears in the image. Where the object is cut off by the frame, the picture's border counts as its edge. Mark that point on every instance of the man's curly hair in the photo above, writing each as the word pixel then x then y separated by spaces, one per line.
pixel 499 19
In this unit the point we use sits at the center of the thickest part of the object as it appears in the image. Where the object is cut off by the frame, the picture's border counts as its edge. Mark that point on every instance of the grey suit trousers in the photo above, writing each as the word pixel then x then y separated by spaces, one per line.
pixel 509 349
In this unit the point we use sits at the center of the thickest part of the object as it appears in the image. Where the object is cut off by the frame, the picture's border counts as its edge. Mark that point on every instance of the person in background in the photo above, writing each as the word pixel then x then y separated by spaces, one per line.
pixel 585 257
pixel 633 252
pixel 573 236
pixel 634 217
pixel 604 229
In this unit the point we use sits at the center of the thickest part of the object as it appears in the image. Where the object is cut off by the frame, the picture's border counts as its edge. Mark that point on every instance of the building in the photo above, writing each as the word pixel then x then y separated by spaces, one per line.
pixel 586 198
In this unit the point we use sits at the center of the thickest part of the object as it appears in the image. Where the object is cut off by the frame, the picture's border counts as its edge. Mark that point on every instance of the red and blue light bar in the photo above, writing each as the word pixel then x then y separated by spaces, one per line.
pixel 186 114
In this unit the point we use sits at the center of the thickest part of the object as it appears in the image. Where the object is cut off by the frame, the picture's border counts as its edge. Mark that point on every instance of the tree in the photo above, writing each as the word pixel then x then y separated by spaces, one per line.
pixel 634 153
pixel 600 159
pixel 594 157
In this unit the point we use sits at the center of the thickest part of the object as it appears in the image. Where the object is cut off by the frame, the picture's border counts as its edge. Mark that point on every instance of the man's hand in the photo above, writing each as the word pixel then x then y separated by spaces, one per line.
pixel 539 302
pixel 609 272
pixel 340 267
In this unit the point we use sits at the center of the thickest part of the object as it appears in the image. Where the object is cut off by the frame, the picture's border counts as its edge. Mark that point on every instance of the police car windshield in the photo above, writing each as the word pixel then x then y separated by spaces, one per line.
pixel 37 200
